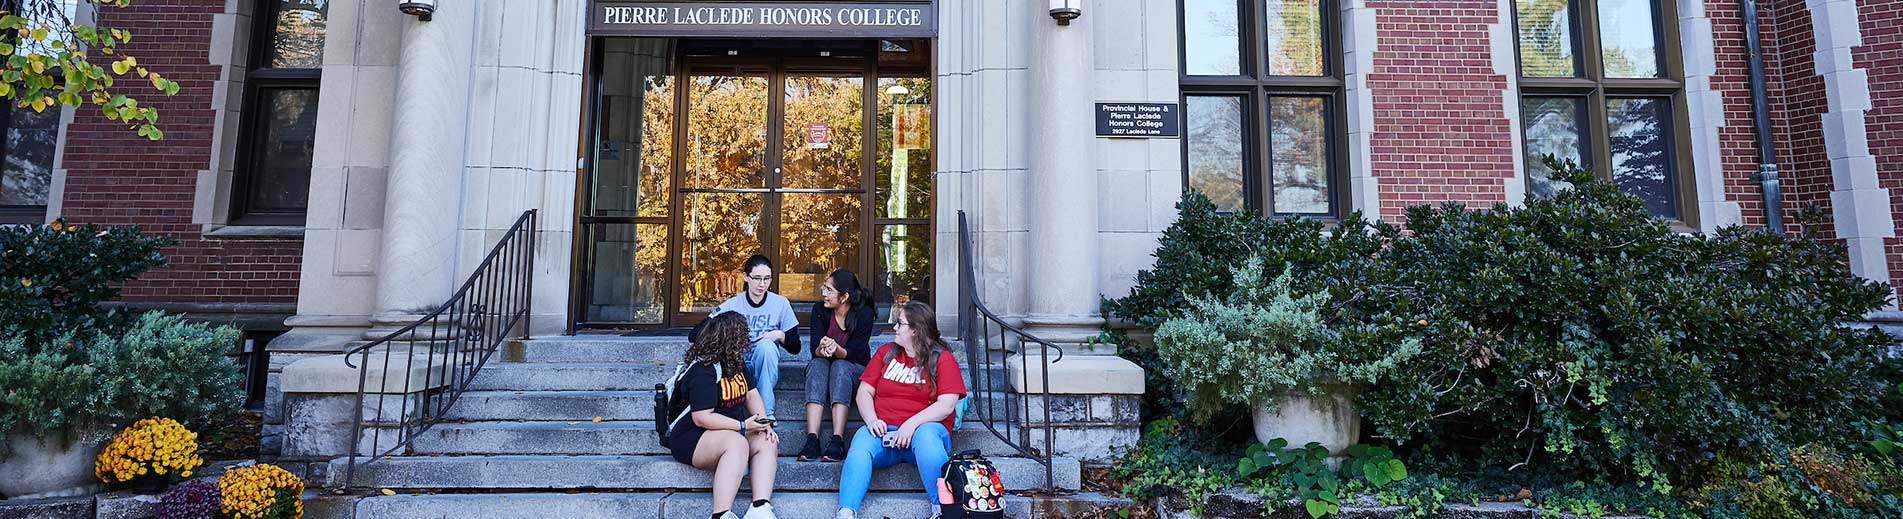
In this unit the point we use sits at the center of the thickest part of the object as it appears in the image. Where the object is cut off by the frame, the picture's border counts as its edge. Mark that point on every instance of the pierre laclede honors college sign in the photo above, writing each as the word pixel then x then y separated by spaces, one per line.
pixel 784 19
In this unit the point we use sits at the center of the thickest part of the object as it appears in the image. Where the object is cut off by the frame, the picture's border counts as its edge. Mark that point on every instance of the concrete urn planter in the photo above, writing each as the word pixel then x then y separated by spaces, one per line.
pixel 1328 418
pixel 48 467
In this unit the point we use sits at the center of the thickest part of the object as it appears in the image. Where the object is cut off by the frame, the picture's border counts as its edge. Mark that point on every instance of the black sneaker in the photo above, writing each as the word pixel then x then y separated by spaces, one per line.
pixel 811 451
pixel 835 450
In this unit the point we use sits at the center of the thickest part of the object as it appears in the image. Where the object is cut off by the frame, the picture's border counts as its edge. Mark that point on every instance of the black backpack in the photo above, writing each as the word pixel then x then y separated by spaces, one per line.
pixel 969 487
pixel 669 408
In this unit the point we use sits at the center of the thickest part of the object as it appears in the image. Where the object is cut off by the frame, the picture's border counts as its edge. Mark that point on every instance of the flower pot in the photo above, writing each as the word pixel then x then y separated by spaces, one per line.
pixel 49 467
pixel 1300 417
pixel 148 484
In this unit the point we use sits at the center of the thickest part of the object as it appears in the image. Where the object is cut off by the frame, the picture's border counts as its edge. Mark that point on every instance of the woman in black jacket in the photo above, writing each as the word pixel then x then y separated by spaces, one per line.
pixel 842 323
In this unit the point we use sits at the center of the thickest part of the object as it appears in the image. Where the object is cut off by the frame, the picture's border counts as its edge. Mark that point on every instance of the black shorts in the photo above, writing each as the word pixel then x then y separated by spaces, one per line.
pixel 683 441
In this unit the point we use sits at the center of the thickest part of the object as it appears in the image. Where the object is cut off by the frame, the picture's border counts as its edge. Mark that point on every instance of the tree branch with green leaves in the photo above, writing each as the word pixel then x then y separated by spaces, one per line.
pixel 53 61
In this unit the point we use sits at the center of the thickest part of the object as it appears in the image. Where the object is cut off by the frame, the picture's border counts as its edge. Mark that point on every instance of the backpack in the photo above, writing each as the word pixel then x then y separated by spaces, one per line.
pixel 969 487
pixel 669 408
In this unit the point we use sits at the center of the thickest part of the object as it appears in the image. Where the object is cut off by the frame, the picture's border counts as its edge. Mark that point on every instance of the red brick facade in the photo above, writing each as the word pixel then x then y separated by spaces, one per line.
pixel 1440 129
pixel 117 177
pixel 1882 57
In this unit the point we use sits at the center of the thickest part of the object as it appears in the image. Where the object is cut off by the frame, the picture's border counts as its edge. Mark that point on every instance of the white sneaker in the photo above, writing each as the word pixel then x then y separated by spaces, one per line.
pixel 729 515
pixel 845 513
pixel 761 512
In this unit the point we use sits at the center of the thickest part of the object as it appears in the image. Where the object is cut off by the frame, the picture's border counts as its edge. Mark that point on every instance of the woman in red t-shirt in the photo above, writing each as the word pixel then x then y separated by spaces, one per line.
pixel 908 410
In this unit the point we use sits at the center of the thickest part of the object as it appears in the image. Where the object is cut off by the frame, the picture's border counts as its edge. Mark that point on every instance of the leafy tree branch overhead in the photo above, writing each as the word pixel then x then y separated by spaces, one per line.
pixel 53 61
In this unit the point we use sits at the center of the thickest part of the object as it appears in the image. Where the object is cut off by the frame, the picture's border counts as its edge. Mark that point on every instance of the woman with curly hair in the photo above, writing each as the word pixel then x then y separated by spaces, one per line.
pixel 727 427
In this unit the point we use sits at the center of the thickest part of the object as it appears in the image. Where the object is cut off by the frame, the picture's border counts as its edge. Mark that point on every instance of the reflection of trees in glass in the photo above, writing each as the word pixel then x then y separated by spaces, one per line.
pixel 1294 31
pixel 291 137
pixel 908 276
pixel 299 38
pixel 1212 39
pixel 726 132
pixel 1627 33
pixel 1215 149
pixel 657 146
pixel 838 105
pixel 912 112
pixel 1546 38
pixel 818 233
pixel 718 232
pixel 28 172
pixel 1641 160
pixel 1552 128
pixel 1298 136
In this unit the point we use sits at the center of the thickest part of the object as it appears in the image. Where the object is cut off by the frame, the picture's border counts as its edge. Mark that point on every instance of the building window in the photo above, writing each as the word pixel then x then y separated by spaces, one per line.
pixel 1601 85
pixel 1261 82
pixel 30 144
pixel 271 184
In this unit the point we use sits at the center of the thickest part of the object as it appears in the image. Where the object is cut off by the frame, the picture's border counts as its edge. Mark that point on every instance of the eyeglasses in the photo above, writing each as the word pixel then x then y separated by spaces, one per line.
pixel 760 278
pixel 901 324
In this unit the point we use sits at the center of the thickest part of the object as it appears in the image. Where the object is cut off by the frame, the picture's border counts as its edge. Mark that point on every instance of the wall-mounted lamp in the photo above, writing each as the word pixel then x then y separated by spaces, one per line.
pixel 421 9
pixel 1066 10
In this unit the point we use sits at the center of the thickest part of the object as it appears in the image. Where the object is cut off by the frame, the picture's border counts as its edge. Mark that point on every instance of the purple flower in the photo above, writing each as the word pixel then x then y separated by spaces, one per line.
pixel 193 500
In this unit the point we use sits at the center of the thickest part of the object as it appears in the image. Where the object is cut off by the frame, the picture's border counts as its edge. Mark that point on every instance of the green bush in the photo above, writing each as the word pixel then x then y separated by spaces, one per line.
pixel 1573 338
pixel 1578 333
pixel 54 277
pixel 1258 342
pixel 1198 253
pixel 160 366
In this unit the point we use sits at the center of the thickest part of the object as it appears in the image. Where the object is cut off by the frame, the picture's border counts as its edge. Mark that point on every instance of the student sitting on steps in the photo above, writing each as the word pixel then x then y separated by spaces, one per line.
pixel 770 326
pixel 728 428
pixel 841 324
pixel 907 396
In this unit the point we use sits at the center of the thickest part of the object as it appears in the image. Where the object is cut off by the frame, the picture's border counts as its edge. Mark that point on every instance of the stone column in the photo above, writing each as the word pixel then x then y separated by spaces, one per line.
pixel 1064 254
pixel 416 269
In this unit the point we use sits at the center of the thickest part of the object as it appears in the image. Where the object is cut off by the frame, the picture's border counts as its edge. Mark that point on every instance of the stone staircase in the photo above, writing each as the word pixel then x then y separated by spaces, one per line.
pixel 563 427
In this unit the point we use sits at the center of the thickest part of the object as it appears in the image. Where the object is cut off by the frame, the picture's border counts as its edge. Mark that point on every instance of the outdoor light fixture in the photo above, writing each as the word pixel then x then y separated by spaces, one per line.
pixel 897 90
pixel 421 9
pixel 1065 10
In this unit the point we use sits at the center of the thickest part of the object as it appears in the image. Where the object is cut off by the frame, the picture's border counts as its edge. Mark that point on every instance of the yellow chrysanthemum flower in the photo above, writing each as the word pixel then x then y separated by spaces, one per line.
pixel 150 446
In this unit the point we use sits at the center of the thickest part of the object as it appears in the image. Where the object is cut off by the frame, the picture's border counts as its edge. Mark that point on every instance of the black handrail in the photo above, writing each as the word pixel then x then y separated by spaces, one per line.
pixel 976 323
pixel 463 333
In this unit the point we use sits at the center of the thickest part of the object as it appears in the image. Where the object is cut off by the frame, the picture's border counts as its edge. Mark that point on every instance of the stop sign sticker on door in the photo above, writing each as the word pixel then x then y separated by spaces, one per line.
pixel 819 136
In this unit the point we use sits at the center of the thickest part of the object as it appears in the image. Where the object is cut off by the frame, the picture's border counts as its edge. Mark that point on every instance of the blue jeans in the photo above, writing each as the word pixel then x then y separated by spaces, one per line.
pixel 763 365
pixel 931 448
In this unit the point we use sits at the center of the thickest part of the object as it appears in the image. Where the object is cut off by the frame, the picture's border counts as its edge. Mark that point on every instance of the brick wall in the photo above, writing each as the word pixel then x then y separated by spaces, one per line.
pixel 1882 58
pixel 1435 90
pixel 1798 103
pixel 117 177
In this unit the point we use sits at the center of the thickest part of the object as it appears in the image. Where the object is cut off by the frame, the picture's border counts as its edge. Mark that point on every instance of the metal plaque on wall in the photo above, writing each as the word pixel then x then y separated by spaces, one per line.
pixel 763 19
pixel 1138 120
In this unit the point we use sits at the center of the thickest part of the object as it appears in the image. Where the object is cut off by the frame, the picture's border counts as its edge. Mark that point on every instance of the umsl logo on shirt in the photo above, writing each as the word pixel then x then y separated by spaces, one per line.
pixel 901 373
pixel 733 389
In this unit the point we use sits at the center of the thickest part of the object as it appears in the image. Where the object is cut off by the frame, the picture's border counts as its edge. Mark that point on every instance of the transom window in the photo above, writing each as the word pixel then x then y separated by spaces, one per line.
pixel 1261 82
pixel 1601 85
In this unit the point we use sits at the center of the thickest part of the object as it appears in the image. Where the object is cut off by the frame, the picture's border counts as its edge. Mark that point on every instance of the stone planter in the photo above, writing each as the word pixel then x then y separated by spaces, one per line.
pixel 1328 418
pixel 49 467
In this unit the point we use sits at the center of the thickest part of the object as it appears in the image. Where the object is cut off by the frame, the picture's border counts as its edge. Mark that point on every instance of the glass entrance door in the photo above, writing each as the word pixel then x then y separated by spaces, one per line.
pixel 785 153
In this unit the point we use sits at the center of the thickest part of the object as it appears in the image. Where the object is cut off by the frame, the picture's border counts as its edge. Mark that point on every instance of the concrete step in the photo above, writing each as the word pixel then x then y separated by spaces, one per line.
pixel 570 406
pixel 675 505
pixel 514 472
pixel 618 438
pixel 615 348
pixel 624 376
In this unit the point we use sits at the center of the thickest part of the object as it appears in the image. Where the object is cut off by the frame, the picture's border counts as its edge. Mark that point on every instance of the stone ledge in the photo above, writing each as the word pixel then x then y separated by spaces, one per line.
pixel 1077 375
pixel 1238 505
pixel 80 507
pixel 404 373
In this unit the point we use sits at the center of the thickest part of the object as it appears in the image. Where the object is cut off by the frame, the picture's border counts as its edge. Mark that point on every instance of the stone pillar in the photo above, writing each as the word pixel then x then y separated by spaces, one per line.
pixel 1064 252
pixel 416 268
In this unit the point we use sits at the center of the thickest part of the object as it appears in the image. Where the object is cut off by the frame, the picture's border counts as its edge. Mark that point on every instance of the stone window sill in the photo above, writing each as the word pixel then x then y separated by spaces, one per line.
pixel 253 232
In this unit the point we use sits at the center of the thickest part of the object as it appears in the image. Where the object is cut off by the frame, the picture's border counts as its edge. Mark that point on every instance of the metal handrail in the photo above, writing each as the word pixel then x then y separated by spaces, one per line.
pixel 463 333
pixel 976 324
